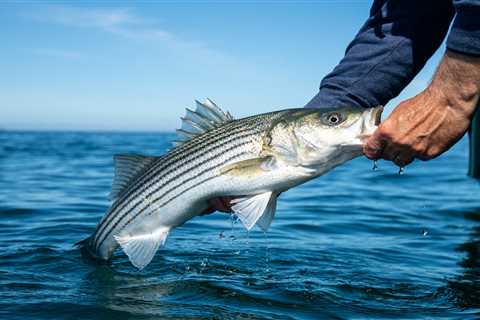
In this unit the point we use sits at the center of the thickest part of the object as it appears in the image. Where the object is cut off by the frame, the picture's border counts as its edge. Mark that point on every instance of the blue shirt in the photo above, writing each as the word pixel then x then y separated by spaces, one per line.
pixel 392 47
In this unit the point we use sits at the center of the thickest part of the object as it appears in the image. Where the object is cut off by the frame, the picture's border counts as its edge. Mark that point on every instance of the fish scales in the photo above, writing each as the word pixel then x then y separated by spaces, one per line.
pixel 251 160
pixel 181 163
pixel 180 152
pixel 175 156
pixel 179 156
pixel 158 193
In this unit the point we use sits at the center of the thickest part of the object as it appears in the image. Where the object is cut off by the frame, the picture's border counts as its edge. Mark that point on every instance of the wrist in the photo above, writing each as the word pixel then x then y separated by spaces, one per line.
pixel 456 83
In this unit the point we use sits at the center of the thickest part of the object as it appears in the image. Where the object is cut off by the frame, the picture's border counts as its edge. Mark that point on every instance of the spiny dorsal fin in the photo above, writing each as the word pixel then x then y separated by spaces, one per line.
pixel 206 116
pixel 127 168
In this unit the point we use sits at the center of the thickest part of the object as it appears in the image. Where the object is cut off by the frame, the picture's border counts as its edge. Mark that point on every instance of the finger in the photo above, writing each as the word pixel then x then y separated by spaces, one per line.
pixel 374 146
pixel 398 154
pixel 226 204
pixel 220 204
pixel 403 159
pixel 390 152
pixel 215 203
pixel 209 210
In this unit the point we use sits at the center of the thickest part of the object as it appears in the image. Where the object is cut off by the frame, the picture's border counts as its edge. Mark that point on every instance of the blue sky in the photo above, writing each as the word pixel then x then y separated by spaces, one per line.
pixel 104 66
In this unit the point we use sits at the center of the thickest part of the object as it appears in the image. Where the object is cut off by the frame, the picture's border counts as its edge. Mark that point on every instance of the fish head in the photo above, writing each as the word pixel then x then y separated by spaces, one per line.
pixel 320 139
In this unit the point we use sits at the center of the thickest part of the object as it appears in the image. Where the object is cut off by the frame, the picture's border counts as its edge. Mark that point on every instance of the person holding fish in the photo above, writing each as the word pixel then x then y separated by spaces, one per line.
pixel 391 47
pixel 389 50
pixel 242 165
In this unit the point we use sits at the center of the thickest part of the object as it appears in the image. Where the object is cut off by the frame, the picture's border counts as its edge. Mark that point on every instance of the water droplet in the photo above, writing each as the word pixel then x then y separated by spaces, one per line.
pixel 232 221
pixel 424 232
pixel 401 170
pixel 375 165
pixel 267 253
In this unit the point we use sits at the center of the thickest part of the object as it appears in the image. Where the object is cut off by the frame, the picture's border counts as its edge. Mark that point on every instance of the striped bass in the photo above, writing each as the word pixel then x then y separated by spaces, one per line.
pixel 251 160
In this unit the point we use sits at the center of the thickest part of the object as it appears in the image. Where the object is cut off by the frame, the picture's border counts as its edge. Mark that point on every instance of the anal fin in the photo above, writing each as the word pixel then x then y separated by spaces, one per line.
pixel 141 248
pixel 258 209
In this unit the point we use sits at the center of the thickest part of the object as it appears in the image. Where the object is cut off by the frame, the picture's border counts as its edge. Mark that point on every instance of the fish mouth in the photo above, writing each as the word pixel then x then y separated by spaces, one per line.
pixel 371 119
pixel 377 115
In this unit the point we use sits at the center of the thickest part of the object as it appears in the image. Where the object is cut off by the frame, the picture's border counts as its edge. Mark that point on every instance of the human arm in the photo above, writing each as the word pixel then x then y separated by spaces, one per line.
pixel 382 59
pixel 428 124
pixel 389 50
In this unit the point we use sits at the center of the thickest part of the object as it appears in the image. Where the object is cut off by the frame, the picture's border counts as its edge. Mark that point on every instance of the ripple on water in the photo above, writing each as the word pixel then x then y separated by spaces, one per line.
pixel 355 243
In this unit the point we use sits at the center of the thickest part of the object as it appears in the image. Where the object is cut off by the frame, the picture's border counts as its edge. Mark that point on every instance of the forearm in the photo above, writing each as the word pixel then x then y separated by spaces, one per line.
pixel 428 124
pixel 457 83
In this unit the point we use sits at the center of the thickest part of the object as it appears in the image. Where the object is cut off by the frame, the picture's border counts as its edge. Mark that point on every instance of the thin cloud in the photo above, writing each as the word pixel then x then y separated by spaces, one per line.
pixel 120 21
pixel 124 22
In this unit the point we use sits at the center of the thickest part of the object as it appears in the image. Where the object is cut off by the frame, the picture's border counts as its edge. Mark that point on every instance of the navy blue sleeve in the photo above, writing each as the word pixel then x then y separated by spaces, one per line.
pixel 389 50
pixel 464 36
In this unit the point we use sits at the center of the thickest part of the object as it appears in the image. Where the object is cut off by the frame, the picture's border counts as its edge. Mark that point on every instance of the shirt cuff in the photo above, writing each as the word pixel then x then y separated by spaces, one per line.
pixel 464 36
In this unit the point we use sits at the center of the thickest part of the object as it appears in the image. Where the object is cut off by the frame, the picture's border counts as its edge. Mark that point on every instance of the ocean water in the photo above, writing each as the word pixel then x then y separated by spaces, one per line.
pixel 353 244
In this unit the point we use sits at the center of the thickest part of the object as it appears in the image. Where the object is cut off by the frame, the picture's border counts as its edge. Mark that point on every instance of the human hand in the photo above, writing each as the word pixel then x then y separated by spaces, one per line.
pixel 219 204
pixel 428 124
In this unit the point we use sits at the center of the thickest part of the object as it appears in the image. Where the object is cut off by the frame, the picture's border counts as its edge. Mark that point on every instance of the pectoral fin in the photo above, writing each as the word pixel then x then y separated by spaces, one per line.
pixel 141 248
pixel 250 167
pixel 266 218
pixel 258 209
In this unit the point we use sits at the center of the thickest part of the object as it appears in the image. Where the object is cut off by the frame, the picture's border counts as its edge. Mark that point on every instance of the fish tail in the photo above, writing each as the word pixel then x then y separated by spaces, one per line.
pixel 82 243
pixel 85 247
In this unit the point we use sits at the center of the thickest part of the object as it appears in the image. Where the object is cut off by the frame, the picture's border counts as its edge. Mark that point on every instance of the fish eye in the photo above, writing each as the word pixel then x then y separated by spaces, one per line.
pixel 334 118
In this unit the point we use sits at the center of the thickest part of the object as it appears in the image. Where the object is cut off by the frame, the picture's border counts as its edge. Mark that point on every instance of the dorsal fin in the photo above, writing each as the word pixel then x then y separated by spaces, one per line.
pixel 206 116
pixel 127 168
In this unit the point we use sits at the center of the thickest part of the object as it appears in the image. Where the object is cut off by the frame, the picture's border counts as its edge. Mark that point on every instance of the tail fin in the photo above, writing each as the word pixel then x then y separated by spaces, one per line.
pixel 86 248
pixel 82 243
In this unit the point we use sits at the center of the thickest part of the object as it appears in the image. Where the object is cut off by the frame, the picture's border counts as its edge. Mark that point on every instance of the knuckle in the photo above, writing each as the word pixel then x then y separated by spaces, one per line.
pixel 432 153
pixel 398 141
pixel 419 150
pixel 425 156
pixel 386 134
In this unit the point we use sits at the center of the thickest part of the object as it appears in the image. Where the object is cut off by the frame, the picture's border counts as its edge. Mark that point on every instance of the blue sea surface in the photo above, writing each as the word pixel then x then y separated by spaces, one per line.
pixel 352 244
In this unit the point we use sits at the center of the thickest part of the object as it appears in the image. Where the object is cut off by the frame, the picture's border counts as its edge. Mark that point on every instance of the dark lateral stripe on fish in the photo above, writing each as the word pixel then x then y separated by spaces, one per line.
pixel 141 200
pixel 132 192
pixel 167 192
pixel 182 153
pixel 252 125
pixel 169 200
pixel 189 156
pixel 181 191
pixel 187 169
pixel 179 154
